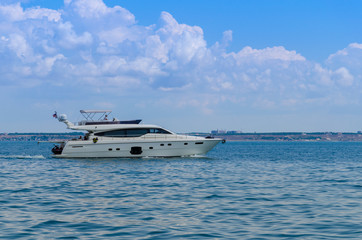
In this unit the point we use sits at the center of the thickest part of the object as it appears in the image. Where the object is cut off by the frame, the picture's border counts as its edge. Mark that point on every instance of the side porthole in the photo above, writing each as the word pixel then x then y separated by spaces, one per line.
pixel 109 149
pixel 185 143
pixel 199 142
pixel 169 144
pixel 162 144
pixel 150 147
pixel 118 149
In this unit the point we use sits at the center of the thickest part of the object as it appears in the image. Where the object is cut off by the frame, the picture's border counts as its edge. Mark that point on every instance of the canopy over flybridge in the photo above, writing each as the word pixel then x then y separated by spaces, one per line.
pixel 95 111
pixel 90 114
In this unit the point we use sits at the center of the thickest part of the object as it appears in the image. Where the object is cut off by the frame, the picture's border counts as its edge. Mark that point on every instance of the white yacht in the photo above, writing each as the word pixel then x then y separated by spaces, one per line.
pixel 114 138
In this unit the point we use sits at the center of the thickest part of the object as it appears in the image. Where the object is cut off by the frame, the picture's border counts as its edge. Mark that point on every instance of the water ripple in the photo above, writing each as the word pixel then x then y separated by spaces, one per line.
pixel 240 191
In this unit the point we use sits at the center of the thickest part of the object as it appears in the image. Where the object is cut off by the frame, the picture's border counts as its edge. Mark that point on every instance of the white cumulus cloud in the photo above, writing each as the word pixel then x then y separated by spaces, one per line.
pixel 90 44
pixel 15 12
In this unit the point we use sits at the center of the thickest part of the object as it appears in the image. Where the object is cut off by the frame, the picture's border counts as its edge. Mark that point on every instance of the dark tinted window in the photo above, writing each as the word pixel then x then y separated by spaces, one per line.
pixel 134 132
pixel 159 130
pixel 114 133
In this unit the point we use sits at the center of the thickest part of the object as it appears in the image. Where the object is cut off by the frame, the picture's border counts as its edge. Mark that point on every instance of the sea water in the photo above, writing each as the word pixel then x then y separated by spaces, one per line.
pixel 239 190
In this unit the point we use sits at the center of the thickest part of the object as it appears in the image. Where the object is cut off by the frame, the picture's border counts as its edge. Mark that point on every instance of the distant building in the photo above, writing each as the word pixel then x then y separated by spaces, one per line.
pixel 233 132
pixel 214 132
pixel 218 131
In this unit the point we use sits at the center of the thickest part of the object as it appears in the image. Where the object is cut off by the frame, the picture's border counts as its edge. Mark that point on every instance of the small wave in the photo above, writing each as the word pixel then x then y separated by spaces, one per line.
pixel 22 156
pixel 197 156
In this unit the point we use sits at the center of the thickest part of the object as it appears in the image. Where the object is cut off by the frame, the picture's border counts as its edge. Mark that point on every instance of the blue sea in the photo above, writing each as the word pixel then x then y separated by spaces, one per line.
pixel 239 190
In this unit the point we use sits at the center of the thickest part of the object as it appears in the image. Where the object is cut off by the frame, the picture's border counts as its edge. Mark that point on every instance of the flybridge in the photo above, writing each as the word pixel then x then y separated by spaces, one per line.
pixel 95 117
pixel 94 120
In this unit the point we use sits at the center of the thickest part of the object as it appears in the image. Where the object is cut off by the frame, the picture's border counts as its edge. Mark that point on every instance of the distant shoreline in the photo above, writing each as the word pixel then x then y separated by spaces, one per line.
pixel 39 136
pixel 244 137
pixel 293 136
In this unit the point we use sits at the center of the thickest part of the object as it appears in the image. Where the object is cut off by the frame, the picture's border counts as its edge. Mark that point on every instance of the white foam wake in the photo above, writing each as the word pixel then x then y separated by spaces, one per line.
pixel 22 156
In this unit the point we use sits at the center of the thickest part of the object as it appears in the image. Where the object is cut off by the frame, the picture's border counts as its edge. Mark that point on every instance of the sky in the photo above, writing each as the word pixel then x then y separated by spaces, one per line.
pixel 252 66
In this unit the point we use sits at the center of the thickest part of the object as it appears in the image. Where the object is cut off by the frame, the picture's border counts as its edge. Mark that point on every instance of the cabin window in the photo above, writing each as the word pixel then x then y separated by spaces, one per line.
pixel 109 149
pixel 199 142
pixel 150 147
pixel 162 144
pixel 158 131
pixel 169 144
pixel 136 132
pixel 185 143
pixel 132 132
pixel 118 149
pixel 114 133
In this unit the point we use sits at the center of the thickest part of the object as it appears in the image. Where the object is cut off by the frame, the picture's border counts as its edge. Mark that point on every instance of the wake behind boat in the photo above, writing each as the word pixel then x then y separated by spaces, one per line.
pixel 115 138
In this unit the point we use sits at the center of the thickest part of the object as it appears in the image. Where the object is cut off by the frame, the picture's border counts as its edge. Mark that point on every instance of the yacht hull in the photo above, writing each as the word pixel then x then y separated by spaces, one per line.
pixel 137 149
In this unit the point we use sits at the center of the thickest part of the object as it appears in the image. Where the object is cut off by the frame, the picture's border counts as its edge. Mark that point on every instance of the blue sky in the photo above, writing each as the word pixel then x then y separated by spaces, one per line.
pixel 187 65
